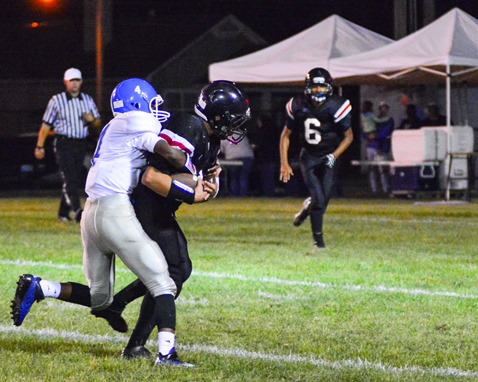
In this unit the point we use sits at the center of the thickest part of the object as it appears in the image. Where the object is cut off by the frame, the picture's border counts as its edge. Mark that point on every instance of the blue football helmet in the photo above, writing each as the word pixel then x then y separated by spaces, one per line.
pixel 135 94
pixel 225 108
pixel 318 85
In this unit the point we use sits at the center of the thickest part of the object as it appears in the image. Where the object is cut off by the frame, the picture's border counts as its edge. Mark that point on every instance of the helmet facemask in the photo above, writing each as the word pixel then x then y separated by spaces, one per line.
pixel 319 93
pixel 154 104
pixel 230 127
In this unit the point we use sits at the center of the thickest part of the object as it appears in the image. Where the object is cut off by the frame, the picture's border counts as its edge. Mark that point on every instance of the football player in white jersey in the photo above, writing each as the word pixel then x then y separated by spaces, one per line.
pixel 221 110
pixel 109 225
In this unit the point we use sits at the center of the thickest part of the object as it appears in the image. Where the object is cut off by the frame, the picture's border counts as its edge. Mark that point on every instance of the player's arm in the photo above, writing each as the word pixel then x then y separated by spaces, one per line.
pixel 175 157
pixel 181 187
pixel 344 143
pixel 42 135
pixel 285 170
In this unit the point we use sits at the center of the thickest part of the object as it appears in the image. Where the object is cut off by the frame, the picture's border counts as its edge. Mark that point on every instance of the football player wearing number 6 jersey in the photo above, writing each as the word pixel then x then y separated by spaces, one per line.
pixel 323 122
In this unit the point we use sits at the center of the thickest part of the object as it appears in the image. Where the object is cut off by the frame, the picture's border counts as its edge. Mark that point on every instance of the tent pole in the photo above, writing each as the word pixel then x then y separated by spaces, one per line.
pixel 448 123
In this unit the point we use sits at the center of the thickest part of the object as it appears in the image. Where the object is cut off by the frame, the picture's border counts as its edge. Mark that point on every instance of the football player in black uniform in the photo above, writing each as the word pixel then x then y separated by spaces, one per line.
pixel 221 110
pixel 323 122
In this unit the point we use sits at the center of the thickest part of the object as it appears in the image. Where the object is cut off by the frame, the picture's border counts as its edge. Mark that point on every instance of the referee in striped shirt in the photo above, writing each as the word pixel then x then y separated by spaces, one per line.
pixel 70 114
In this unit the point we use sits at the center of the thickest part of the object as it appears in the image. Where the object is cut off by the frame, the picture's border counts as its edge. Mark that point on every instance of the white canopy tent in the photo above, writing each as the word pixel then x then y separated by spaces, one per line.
pixel 445 49
pixel 291 59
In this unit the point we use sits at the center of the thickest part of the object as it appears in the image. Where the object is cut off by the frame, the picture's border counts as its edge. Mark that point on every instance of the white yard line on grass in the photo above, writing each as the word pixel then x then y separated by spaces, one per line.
pixel 271 280
pixel 355 364
pixel 455 222
pixel 317 284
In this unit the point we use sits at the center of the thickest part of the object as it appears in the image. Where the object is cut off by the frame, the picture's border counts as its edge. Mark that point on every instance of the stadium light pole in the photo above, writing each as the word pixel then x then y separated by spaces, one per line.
pixel 99 53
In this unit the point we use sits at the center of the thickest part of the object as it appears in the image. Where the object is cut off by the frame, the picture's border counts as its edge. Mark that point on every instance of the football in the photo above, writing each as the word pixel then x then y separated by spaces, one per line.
pixel 189 180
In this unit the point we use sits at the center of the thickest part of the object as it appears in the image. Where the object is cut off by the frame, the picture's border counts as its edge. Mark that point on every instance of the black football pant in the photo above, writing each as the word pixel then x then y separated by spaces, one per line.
pixel 319 180
pixel 70 154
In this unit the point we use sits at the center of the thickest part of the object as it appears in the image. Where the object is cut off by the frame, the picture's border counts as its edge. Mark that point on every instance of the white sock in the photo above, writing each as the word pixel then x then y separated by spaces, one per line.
pixel 165 342
pixel 50 288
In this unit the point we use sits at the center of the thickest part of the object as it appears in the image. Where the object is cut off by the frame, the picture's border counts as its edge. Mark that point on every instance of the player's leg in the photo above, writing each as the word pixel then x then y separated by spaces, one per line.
pixel 324 193
pixel 313 172
pixel 143 256
pixel 32 288
pixel 98 257
pixel 301 216
pixel 168 234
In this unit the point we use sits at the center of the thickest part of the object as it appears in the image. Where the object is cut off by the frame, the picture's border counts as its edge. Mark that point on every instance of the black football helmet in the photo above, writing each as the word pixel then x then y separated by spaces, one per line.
pixel 225 108
pixel 318 85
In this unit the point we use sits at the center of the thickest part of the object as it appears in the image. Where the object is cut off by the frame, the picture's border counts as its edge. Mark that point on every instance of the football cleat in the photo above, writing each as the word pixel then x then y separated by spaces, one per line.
pixel 171 359
pixel 136 352
pixel 303 214
pixel 114 319
pixel 28 291
pixel 319 241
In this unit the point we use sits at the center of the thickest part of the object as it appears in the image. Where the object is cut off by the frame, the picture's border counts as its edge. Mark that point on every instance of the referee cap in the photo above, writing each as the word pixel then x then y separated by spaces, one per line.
pixel 72 74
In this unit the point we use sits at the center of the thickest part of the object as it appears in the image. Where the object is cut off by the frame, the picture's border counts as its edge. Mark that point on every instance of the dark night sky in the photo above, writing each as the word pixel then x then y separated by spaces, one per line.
pixel 148 32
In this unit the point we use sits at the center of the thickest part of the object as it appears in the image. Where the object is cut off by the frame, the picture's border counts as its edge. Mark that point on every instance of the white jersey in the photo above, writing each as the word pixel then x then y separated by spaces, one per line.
pixel 120 154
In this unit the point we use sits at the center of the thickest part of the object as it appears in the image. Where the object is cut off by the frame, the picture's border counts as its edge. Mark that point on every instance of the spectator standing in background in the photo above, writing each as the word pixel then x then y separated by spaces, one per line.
pixel 70 114
pixel 414 116
pixel 434 118
pixel 411 121
pixel 369 136
pixel 367 118
pixel 238 176
pixel 265 143
pixel 384 127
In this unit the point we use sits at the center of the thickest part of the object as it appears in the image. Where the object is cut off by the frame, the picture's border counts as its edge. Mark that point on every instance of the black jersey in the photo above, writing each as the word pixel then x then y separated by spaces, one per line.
pixel 320 128
pixel 188 133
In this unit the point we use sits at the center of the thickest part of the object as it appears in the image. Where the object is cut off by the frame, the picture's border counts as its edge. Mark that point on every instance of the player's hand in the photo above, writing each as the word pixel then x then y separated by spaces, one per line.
pixel 285 172
pixel 209 187
pixel 200 193
pixel 213 171
pixel 330 160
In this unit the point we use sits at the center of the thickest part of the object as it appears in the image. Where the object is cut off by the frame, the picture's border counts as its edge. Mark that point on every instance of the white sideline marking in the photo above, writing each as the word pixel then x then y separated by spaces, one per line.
pixel 272 280
pixel 378 289
pixel 412 221
pixel 356 364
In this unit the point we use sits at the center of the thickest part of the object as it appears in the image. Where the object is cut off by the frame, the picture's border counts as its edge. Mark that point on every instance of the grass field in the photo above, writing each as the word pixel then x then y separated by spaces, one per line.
pixel 393 298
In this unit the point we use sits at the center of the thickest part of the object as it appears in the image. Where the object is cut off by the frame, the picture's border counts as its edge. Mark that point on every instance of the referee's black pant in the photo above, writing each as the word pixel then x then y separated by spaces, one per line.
pixel 70 154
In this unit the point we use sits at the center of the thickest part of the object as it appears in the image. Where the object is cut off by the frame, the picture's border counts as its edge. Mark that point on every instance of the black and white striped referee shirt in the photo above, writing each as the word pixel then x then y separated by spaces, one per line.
pixel 64 113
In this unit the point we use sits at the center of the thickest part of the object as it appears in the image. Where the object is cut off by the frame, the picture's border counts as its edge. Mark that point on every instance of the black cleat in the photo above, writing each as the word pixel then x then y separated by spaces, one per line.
pixel 136 352
pixel 319 241
pixel 303 214
pixel 114 318
pixel 28 291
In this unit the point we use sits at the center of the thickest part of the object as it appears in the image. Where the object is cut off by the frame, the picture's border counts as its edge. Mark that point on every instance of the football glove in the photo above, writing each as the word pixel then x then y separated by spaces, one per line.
pixel 330 160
